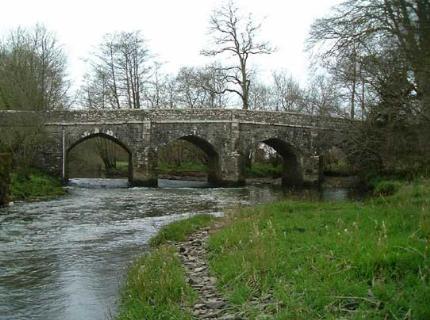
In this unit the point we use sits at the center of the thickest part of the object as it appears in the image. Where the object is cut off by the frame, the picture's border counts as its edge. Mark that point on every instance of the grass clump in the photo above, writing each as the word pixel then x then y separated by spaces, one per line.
pixel 34 184
pixel 156 288
pixel 263 170
pixel 179 230
pixel 330 260
pixel 386 188
pixel 183 168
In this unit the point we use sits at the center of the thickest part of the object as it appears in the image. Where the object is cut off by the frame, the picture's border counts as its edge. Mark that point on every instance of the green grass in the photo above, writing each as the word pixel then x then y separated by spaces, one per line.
pixel 330 260
pixel 156 287
pixel 262 170
pixel 185 167
pixel 179 230
pixel 33 185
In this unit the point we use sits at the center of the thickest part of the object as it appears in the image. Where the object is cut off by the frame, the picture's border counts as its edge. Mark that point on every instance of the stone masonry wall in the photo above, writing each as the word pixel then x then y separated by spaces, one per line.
pixel 225 135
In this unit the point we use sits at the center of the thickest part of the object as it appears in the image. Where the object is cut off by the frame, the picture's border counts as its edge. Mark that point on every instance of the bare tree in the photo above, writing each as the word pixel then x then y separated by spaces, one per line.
pixel 121 66
pixel 190 92
pixel 260 96
pixel 32 71
pixel 322 97
pixel 287 94
pixel 213 80
pixel 236 36
pixel 358 29
pixel 201 87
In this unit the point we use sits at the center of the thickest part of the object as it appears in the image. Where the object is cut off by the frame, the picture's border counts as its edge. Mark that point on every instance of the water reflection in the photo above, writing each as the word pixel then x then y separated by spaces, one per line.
pixel 65 259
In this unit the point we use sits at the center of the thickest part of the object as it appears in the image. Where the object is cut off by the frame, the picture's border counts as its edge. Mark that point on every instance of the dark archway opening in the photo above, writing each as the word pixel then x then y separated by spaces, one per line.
pixel 272 160
pixel 336 163
pixel 99 156
pixel 189 158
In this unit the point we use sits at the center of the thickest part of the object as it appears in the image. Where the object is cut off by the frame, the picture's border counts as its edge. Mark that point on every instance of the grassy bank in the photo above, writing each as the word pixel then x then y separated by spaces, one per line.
pixel 330 260
pixel 156 287
pixel 257 170
pixel 183 169
pixel 313 260
pixel 34 185
pixel 263 170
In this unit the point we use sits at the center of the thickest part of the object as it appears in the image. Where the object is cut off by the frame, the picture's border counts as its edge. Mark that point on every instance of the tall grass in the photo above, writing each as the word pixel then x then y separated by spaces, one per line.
pixel 330 260
pixel 34 184
pixel 179 230
pixel 156 286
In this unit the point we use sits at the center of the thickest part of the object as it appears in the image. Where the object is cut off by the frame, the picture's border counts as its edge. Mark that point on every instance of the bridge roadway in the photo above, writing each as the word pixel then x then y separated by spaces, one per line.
pixel 225 135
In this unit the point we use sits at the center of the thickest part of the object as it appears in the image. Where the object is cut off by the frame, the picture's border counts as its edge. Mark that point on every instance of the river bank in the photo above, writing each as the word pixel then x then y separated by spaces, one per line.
pixel 34 185
pixel 312 259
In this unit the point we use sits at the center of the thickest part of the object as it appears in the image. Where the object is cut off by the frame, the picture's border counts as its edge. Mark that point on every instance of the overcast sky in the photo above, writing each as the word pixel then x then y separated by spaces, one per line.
pixel 176 30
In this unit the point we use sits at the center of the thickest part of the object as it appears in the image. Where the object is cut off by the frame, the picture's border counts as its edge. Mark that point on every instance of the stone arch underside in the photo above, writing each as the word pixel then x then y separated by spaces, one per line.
pixel 292 173
pixel 109 137
pixel 212 154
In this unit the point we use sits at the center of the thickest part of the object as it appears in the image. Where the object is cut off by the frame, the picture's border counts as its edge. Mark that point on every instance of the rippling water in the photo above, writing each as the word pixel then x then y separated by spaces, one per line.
pixel 65 258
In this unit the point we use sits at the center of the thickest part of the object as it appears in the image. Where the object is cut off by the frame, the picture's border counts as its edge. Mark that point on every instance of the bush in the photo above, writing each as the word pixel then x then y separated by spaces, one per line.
pixel 386 188
pixel 34 184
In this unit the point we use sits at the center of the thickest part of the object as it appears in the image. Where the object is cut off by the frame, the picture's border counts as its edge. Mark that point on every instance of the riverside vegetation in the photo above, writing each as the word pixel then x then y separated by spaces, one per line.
pixel 316 260
pixel 34 184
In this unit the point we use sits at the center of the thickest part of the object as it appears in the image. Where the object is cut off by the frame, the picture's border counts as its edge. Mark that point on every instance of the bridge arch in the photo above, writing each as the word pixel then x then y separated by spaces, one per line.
pixel 292 173
pixel 213 158
pixel 103 135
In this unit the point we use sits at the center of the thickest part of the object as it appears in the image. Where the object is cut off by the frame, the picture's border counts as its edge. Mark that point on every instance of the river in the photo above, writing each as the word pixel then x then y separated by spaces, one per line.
pixel 66 258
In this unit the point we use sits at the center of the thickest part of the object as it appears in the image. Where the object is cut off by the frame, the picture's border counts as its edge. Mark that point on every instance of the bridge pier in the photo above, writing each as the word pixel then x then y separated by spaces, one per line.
pixel 144 171
pixel 312 170
pixel 231 174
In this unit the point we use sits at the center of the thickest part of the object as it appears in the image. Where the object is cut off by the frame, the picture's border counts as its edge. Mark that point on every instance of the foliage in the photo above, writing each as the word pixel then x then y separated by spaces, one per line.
pixel 179 230
pixel 97 157
pixel 32 78
pixel 386 188
pixel 329 260
pixel 156 288
pixel 183 168
pixel 34 184
pixel 182 156
pixel 118 73
pixel 261 170
pixel 23 139
pixel 32 71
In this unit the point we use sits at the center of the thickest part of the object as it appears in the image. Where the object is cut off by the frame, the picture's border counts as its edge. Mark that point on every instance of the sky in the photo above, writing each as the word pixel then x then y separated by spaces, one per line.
pixel 176 30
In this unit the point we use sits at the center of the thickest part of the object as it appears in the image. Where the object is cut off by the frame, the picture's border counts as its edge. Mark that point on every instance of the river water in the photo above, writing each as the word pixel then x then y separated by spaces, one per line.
pixel 66 258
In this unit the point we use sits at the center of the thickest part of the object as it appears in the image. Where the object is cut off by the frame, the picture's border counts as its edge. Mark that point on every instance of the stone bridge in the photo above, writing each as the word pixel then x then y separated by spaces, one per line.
pixel 226 136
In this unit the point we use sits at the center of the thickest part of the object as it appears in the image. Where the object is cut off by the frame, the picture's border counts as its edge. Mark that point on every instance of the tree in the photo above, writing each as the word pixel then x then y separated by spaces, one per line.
pixel 118 73
pixel 260 96
pixel 236 36
pixel 362 27
pixel 201 87
pixel 213 80
pixel 190 92
pixel 32 71
pixel 381 48
pixel 321 97
pixel 287 94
